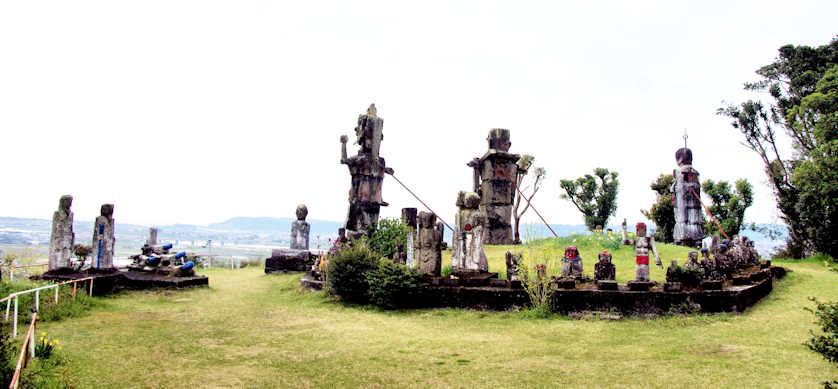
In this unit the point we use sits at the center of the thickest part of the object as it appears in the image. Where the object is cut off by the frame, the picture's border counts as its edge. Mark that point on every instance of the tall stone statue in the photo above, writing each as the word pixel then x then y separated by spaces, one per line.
pixel 300 229
pixel 494 182
pixel 643 245
pixel 367 170
pixel 468 255
pixel 62 238
pixel 685 191
pixel 103 239
pixel 429 250
pixel 409 219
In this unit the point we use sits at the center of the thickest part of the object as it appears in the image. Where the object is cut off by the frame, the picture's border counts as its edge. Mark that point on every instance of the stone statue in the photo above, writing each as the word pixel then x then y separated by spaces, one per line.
pixel 409 216
pixel 429 250
pixel 692 260
pixel 494 182
pixel 642 245
pixel 512 261
pixel 685 191
pixel 367 170
pixel 300 229
pixel 103 239
pixel 152 237
pixel 62 237
pixel 625 241
pixel 571 263
pixel 673 272
pixel 468 254
pixel 604 269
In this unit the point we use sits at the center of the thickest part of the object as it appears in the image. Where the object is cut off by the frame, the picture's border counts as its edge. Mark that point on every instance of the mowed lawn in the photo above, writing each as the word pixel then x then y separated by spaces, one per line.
pixel 252 330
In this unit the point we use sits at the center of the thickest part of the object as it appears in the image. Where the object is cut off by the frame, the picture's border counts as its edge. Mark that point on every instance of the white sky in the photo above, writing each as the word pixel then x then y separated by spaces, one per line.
pixel 197 111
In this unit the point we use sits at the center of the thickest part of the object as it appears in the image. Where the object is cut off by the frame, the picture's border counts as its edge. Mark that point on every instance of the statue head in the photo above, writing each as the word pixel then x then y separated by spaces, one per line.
pixel 641 229
pixel 674 263
pixel 461 199
pixel 499 139
pixel 106 210
pixel 605 256
pixel 426 219
pixel 693 256
pixel 65 202
pixel 571 252
pixel 471 200
pixel 684 156
pixel 302 212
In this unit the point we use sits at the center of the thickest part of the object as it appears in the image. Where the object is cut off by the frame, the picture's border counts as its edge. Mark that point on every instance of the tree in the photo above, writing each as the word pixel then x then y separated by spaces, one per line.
pixel 662 212
pixel 538 174
pixel 789 80
pixel 595 196
pixel 825 344
pixel 728 207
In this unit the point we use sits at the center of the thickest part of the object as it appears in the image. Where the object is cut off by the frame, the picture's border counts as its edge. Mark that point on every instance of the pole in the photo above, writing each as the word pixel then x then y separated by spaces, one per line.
pixel 420 200
pixel 14 326
pixel 710 214
pixel 56 294
pixel 37 299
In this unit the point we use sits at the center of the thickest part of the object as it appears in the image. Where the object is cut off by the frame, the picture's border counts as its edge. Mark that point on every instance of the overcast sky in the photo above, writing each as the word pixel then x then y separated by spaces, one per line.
pixel 198 111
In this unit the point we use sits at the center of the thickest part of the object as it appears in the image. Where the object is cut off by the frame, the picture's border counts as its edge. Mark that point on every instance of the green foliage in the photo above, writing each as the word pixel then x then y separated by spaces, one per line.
pixel 386 236
pixel 798 73
pixel 393 285
pixel 826 343
pixel 728 207
pixel 7 358
pixel 662 213
pixel 346 273
pixel 688 276
pixel 595 196
pixel 44 346
pixel 537 283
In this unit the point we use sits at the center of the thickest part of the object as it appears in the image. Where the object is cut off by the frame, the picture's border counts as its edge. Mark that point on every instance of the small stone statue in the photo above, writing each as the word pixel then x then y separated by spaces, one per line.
pixel 300 229
pixel 62 237
pixel 625 241
pixel 571 263
pixel 673 272
pixel 512 261
pixel 103 239
pixel 152 237
pixel 692 260
pixel 468 254
pixel 642 245
pixel 604 270
pixel 429 250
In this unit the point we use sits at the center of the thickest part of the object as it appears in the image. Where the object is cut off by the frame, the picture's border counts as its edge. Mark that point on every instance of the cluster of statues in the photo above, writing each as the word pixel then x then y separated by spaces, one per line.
pixel 728 257
pixel 158 259
pixel 62 239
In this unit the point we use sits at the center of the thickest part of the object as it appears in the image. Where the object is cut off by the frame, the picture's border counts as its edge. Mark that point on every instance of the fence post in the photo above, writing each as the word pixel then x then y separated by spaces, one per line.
pixel 14 326
pixel 91 287
pixel 32 339
pixel 8 304
pixel 74 288
pixel 37 298
pixel 56 293
pixel 11 274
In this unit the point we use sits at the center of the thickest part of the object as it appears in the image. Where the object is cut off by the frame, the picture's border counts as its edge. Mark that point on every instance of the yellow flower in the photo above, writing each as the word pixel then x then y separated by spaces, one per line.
pixel 43 334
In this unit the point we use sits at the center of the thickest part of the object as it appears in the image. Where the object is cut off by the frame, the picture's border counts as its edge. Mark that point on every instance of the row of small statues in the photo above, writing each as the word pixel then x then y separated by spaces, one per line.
pixel 728 258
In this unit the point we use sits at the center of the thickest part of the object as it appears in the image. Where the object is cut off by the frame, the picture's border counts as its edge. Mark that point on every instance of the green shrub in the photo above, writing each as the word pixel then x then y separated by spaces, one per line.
pixel 825 344
pixel 346 273
pixel 393 285
pixel 386 236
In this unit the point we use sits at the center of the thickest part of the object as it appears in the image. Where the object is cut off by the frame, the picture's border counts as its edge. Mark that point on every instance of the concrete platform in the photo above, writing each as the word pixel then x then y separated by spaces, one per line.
pixel 105 283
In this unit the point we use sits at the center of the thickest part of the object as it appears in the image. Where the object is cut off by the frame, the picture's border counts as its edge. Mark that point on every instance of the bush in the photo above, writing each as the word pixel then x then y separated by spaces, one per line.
pixel 393 285
pixel 346 273
pixel 386 237
pixel 827 343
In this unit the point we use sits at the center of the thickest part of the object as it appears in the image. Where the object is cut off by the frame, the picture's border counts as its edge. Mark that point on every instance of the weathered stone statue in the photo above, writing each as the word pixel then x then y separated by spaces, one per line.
pixel 103 239
pixel 62 237
pixel 571 263
pixel 753 255
pixel 642 245
pixel 724 260
pixel 300 229
pixel 494 182
pixel 429 250
pixel 152 237
pixel 604 269
pixel 512 261
pixel 625 241
pixel 409 216
pixel 367 170
pixel 468 255
pixel 685 191
pixel 673 272
pixel 692 260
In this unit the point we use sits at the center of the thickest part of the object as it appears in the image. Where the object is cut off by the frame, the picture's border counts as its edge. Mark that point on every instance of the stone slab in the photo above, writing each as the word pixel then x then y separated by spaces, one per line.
pixel 640 286
pixel 284 260
pixel 607 285
pixel 711 285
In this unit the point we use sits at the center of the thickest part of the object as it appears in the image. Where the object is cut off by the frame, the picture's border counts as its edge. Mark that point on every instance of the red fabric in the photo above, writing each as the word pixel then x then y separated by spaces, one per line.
pixel 642 259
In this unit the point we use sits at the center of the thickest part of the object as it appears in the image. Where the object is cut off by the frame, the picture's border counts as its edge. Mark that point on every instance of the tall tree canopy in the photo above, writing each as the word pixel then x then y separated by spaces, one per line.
pixel 595 196
pixel 728 206
pixel 662 213
pixel 800 179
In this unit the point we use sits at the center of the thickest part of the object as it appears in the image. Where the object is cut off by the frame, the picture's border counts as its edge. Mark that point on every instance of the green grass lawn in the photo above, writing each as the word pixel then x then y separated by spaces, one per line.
pixel 249 329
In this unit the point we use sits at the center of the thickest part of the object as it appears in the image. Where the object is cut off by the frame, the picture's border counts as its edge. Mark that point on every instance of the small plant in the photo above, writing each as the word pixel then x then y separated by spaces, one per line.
pixel 394 285
pixel 44 347
pixel 386 237
pixel 346 273
pixel 446 270
pixel 535 278
pixel 825 344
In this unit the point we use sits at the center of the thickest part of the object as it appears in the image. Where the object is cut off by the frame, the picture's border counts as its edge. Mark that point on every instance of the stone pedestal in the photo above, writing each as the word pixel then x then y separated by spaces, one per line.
pixel 564 283
pixel 289 260
pixel 640 286
pixel 62 237
pixel 711 285
pixel 606 285
pixel 103 239
pixel 672 287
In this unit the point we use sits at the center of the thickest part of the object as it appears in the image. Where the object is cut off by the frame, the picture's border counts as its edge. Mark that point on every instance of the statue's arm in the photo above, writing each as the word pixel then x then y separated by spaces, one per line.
pixel 343 158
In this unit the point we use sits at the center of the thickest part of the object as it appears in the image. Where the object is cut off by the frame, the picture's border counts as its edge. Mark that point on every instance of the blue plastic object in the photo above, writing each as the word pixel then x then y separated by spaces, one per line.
pixel 180 255
pixel 188 265
pixel 167 246
pixel 152 260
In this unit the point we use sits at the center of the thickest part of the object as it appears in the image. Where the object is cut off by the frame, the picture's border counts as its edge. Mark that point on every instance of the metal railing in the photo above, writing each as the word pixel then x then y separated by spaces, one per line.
pixel 27 350
pixel 14 268
pixel 16 295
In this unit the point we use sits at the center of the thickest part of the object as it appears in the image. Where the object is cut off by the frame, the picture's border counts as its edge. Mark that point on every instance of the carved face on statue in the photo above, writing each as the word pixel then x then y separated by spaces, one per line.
pixel 571 252
pixel 499 139
pixel 106 210
pixel 693 256
pixel 65 203
pixel 605 256
pixel 684 156
pixel 426 220
pixel 641 230
pixel 471 200
pixel 302 212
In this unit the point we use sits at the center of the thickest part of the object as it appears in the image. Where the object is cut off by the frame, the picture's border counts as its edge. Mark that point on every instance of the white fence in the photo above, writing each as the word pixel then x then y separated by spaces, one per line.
pixel 37 291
